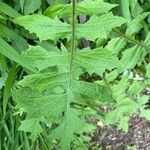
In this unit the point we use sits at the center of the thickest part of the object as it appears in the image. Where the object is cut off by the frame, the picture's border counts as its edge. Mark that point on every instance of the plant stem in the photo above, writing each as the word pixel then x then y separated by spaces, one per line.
pixel 131 39
pixel 73 47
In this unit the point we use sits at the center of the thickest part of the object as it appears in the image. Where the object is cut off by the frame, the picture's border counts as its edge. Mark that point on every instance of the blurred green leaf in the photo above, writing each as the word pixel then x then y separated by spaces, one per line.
pixel 12 54
pixel 7 10
pixel 30 6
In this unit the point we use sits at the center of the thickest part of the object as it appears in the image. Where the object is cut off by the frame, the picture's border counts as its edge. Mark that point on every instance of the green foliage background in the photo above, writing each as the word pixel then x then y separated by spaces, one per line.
pixel 58 69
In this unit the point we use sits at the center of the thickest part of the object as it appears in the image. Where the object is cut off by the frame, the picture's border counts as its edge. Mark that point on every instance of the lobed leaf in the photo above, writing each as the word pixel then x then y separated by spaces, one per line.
pixel 37 95
pixel 97 60
pixel 44 27
pixel 86 7
pixel 99 27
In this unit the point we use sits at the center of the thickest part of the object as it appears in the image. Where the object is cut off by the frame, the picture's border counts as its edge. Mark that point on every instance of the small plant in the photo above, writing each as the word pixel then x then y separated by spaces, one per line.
pixel 55 101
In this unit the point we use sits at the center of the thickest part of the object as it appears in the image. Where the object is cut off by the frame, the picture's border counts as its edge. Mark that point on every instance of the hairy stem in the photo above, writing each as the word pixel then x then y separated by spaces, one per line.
pixel 73 45
pixel 73 48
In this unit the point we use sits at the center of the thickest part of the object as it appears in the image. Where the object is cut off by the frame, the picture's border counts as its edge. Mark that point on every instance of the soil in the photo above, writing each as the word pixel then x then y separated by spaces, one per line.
pixel 113 139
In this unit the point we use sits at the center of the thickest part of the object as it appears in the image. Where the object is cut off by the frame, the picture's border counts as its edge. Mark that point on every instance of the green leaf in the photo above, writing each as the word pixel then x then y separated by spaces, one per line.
pixel 145 113
pixel 119 89
pixel 7 10
pixel 143 100
pixel 136 25
pixel 3 70
pixel 31 125
pixel 148 71
pixel 127 106
pixel 123 124
pixel 115 45
pixel 97 60
pixel 37 96
pixel 40 82
pixel 91 7
pixel 22 5
pixel 31 5
pixel 86 7
pixel 42 59
pixel 44 27
pixel 147 76
pixel 18 42
pixel 99 27
pixel 112 117
pixel 55 10
pixel 101 93
pixel 56 98
pixel 131 57
pixel 57 1
pixel 12 54
pixel 112 75
pixel 135 88
pixel 72 124
pixel 41 105
pixel 125 9
pixel 136 8
pixel 8 86
pixel 147 40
